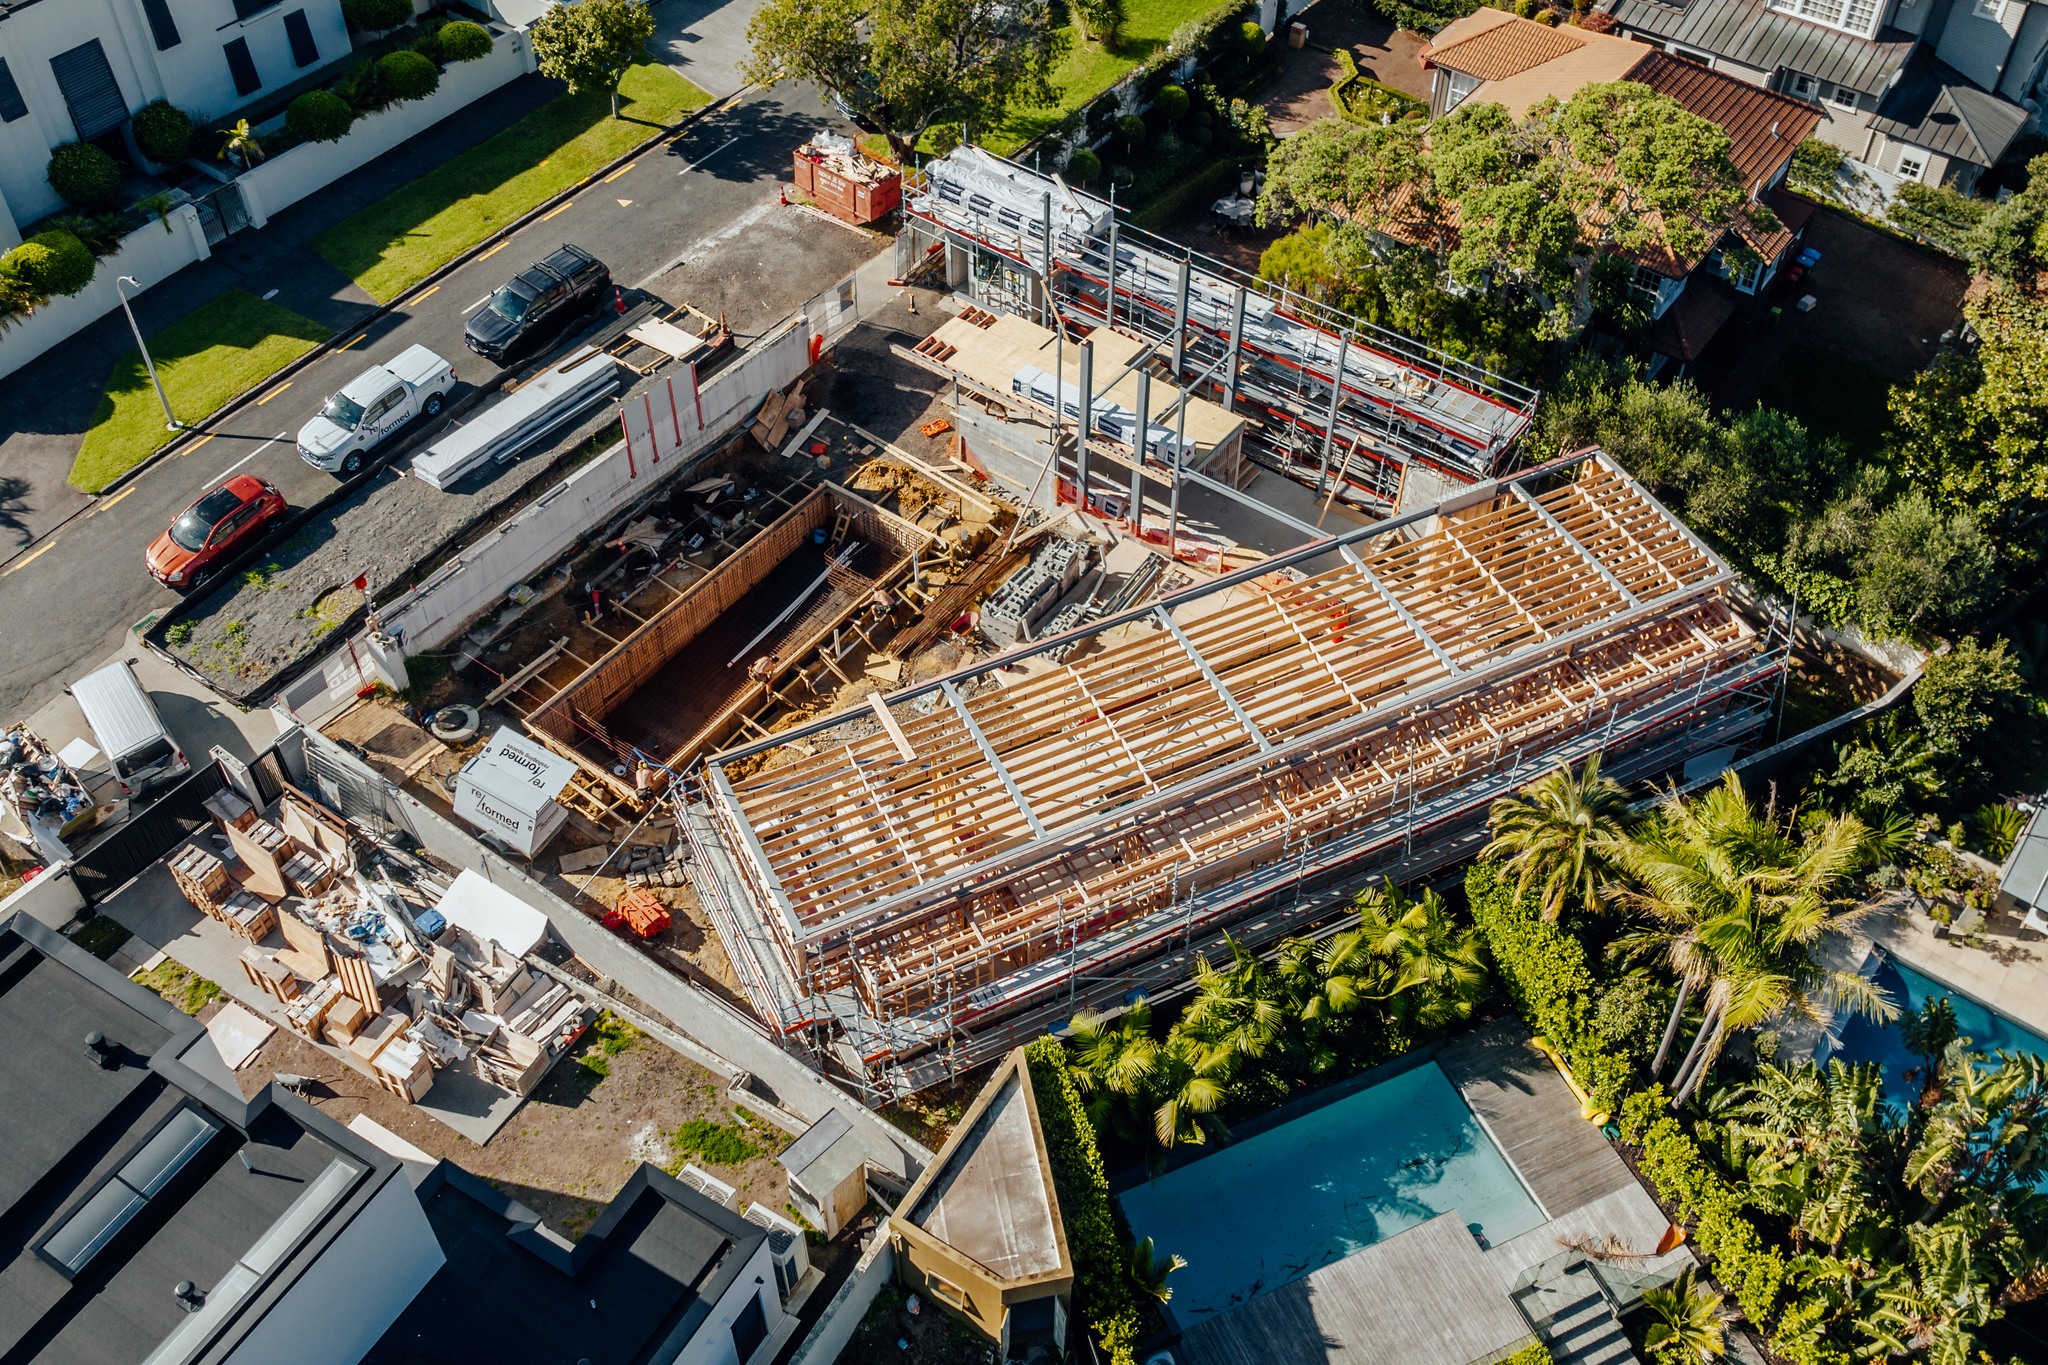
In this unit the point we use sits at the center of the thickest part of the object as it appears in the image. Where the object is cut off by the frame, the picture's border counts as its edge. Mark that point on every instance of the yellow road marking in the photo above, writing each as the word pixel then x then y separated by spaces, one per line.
pixel 562 207
pixel 273 393
pixel 357 342
pixel 495 250
pixel 29 559
pixel 620 171
pixel 196 444
pixel 425 294
pixel 111 501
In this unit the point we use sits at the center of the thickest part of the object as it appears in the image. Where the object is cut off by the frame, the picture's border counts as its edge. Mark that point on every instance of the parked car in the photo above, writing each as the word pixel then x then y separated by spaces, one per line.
pixel 374 404
pixel 121 716
pixel 213 530
pixel 546 293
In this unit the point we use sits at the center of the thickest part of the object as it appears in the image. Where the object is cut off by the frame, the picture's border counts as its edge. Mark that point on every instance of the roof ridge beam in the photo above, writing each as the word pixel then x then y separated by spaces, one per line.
pixel 1201 664
pixel 988 753
pixel 1379 585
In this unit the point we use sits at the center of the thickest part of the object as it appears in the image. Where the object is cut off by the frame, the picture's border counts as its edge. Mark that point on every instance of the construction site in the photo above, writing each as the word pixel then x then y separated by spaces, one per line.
pixel 1145 619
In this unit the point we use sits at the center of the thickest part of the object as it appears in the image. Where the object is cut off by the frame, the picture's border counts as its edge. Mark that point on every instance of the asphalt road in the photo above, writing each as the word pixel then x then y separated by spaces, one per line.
pixel 690 220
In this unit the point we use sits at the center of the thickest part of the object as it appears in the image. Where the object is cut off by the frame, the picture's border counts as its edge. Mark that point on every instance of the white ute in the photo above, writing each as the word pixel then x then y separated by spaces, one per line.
pixel 376 403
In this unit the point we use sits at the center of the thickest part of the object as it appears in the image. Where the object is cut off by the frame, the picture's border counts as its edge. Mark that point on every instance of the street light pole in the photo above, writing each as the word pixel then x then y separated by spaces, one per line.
pixel 170 419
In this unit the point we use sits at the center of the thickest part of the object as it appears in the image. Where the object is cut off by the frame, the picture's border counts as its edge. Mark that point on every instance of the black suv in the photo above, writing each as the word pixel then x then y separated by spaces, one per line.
pixel 545 293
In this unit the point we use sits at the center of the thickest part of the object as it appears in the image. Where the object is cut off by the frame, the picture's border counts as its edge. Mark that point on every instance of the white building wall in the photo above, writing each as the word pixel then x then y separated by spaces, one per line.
pixel 1976 44
pixel 2023 68
pixel 29 38
pixel 712 1342
pixel 151 254
pixel 348 1298
pixel 195 72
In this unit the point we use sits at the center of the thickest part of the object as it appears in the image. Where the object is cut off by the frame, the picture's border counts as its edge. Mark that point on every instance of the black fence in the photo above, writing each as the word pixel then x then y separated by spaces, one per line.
pixel 170 819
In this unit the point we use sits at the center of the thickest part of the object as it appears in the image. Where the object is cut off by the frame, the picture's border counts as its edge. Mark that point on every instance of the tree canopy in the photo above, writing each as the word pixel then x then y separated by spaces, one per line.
pixel 590 44
pixel 907 64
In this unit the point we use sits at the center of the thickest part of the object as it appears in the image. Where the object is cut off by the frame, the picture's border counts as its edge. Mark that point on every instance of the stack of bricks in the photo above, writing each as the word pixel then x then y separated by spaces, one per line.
pixel 230 810
pixel 202 878
pixel 654 867
pixel 248 915
pixel 307 876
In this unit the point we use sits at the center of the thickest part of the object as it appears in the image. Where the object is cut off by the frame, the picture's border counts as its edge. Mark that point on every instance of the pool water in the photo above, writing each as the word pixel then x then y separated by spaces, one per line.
pixel 1268 1210
pixel 1865 1041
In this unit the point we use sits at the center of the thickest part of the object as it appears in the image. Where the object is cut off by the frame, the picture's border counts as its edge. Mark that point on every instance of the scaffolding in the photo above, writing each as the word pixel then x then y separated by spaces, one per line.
pixel 1068 824
pixel 1336 402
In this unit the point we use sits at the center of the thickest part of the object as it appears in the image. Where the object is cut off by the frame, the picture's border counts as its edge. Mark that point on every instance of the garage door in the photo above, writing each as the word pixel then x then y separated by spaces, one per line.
pixel 90 90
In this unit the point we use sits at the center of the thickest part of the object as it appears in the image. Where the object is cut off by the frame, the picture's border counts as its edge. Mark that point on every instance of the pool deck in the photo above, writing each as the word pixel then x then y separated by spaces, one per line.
pixel 1431 1295
pixel 2007 973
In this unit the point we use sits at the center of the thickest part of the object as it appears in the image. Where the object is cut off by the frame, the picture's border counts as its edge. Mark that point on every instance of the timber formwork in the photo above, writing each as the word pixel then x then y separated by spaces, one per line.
pixel 682 683
pixel 955 876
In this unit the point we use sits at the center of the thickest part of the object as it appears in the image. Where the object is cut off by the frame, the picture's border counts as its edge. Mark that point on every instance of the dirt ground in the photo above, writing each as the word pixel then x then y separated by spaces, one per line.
pixel 1881 303
pixel 612 1103
pixel 1301 94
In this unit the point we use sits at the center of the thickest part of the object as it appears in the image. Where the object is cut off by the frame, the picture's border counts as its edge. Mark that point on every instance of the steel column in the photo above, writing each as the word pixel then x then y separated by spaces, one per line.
pixel 1236 347
pixel 1084 429
pixel 1138 445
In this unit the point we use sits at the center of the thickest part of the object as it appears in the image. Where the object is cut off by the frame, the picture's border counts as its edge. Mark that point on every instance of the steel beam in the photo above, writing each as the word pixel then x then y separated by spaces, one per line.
pixel 1401 610
pixel 988 753
pixel 1209 675
pixel 1180 315
pixel 1593 561
pixel 1084 423
pixel 1138 466
pixel 1236 349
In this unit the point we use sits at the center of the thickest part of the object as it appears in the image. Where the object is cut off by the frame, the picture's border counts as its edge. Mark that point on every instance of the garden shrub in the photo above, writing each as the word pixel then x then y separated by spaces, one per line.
pixel 375 16
pixel 1251 38
pixel 407 75
pixel 1083 166
pixel 319 116
pixel 1549 980
pixel 1171 102
pixel 462 41
pixel 164 132
pixel 50 264
pixel 1103 1295
pixel 1753 1272
pixel 1535 1353
pixel 1937 215
pixel 85 176
pixel 1130 129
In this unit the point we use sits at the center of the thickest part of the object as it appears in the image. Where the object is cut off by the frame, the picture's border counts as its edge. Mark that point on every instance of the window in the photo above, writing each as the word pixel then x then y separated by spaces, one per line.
pixel 1842 97
pixel 1912 166
pixel 161 25
pixel 945 1291
pixel 1852 16
pixel 1801 87
pixel 243 67
pixel 1461 85
pixel 1994 10
pixel 113 1205
pixel 749 1329
pixel 305 51
pixel 11 106
pixel 90 91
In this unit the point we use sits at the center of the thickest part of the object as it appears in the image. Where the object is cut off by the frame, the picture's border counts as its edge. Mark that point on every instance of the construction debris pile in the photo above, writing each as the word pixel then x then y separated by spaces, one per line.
pixel 843 182
pixel 43 801
pixel 382 959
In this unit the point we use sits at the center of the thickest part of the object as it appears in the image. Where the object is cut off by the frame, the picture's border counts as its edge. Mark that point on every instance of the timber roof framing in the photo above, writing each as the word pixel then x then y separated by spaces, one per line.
pixel 1315 693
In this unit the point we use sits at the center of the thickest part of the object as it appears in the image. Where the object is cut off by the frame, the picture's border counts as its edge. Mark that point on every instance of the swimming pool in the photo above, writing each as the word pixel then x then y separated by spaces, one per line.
pixel 1268 1210
pixel 1865 1041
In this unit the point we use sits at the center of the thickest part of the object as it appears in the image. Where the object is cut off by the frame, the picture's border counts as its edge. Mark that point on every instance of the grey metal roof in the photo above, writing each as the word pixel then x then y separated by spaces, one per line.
pixel 1937 107
pixel 815 1141
pixel 1745 31
pixel 2026 871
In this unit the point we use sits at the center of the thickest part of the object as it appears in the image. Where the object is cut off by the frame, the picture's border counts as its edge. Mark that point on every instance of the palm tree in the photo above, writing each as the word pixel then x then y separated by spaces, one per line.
pixel 239 145
pixel 1736 905
pixel 1563 833
pixel 1432 971
pixel 1928 1033
pixel 1237 1006
pixel 1191 1084
pixel 1687 1321
pixel 1149 1270
pixel 1116 1065
pixel 1812 1145
pixel 1929 1311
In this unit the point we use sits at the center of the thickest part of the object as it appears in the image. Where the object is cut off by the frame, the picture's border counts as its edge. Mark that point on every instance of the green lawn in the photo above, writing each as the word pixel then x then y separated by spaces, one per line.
pixel 217 351
pixel 1087 70
pixel 407 235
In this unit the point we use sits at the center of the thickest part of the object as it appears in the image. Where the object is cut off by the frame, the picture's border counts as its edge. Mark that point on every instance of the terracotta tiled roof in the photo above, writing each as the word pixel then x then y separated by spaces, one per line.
pixel 1494 45
pixel 1692 322
pixel 1762 126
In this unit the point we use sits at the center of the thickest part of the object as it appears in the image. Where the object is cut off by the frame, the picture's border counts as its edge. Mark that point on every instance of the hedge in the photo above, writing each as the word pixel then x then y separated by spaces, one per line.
pixel 319 116
pixel 84 176
pixel 164 132
pixel 408 75
pixel 51 264
pixel 1548 979
pixel 1751 1271
pixel 1102 1288
pixel 375 16
pixel 462 41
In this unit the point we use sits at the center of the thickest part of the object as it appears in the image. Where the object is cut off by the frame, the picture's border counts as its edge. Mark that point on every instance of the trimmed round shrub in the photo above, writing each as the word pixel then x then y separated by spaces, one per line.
pixel 163 132
pixel 1130 129
pixel 51 263
pixel 408 75
pixel 1083 166
pixel 1252 38
pixel 374 16
pixel 85 176
pixel 319 116
pixel 1171 102
pixel 462 41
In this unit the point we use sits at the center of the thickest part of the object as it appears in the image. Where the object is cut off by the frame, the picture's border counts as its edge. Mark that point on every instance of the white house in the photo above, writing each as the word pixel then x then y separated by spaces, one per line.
pixel 78 69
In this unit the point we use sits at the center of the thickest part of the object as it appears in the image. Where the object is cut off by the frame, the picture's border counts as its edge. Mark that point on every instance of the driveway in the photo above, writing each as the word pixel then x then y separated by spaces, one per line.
pixel 705 40
pixel 689 221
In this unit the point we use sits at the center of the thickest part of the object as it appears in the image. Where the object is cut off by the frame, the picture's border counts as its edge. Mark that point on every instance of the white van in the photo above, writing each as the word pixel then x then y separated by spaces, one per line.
pixel 129 731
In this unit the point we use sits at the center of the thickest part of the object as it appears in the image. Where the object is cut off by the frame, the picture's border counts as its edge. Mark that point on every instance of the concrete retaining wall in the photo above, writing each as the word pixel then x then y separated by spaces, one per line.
pixel 834 1328
pixel 150 253
pixel 276 184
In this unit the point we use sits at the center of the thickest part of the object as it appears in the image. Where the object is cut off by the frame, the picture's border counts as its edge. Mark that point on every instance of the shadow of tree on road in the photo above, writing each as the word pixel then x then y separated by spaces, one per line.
pixel 14 509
